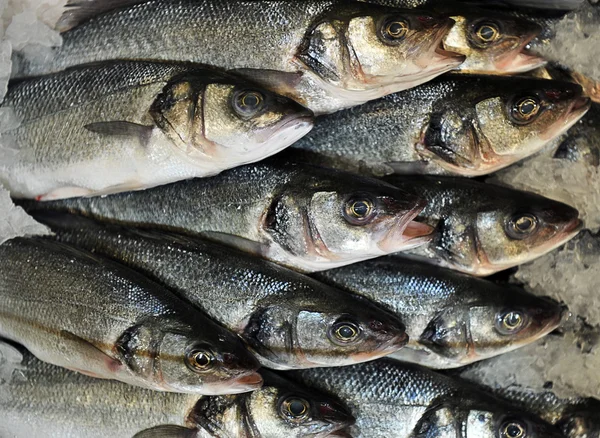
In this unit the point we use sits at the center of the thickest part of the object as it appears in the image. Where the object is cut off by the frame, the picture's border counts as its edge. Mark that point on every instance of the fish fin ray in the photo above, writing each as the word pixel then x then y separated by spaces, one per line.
pixel 79 11
pixel 122 128
pixel 166 431
pixel 237 242
pixel 99 364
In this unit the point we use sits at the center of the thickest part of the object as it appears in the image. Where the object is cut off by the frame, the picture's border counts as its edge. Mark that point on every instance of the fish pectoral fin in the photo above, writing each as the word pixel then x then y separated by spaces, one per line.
pixel 166 431
pixel 78 12
pixel 87 358
pixel 237 242
pixel 407 167
pixel 122 128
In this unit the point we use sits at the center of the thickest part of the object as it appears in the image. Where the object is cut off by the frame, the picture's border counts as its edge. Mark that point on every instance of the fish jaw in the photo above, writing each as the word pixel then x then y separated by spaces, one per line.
pixel 407 234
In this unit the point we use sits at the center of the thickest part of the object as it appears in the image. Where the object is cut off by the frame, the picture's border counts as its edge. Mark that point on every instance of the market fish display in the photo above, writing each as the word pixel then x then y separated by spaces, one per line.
pixel 451 319
pixel 482 228
pixel 392 399
pixel 39 399
pixel 326 54
pixel 308 218
pixel 457 125
pixel 287 319
pixel 134 125
pixel 76 310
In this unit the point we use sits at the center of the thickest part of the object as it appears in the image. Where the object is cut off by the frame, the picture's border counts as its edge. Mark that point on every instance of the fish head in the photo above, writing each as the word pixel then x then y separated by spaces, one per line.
pixel 279 408
pixel 188 359
pixel 583 422
pixel 330 218
pixel 501 124
pixel 228 123
pixel 327 328
pixel 490 324
pixel 493 45
pixel 512 230
pixel 376 50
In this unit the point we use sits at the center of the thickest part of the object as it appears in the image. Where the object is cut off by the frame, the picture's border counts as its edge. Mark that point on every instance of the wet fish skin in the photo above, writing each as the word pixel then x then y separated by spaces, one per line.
pixel 582 142
pixel 76 310
pixel 326 54
pixel 457 125
pixel 451 319
pixel 287 319
pixel 476 224
pixel 130 128
pixel 58 403
pixel 390 398
pixel 296 215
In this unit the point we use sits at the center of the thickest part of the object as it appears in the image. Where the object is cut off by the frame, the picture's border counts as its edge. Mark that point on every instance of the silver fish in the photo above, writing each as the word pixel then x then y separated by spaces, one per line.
pixel 134 125
pixel 76 310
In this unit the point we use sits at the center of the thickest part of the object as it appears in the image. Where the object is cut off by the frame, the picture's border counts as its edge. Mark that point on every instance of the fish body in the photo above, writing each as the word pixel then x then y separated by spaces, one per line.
pixel 482 228
pixel 390 398
pixel 134 125
pixel 326 54
pixel 304 217
pixel 457 125
pixel 37 398
pixel 288 320
pixel 451 319
pixel 75 310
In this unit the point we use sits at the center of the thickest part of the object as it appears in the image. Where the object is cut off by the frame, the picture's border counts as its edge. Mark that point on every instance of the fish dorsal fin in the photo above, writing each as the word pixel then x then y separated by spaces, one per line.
pixel 166 431
pixel 80 11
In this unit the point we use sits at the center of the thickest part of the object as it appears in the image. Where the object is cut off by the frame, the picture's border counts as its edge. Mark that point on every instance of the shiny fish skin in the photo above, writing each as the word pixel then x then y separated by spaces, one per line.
pixel 76 310
pixel 582 142
pixel 326 54
pixel 286 318
pixel 39 399
pixel 451 319
pixel 288 213
pixel 476 229
pixel 130 128
pixel 457 125
pixel 392 399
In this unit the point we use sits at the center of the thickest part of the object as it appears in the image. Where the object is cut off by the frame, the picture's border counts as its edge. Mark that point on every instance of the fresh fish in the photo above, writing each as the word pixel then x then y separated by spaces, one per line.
pixel 308 218
pixel 287 319
pixel 582 142
pixel 393 399
pixel 326 54
pixel 451 319
pixel 560 5
pixel 76 310
pixel 483 228
pixel 134 125
pixel 39 399
pixel 459 125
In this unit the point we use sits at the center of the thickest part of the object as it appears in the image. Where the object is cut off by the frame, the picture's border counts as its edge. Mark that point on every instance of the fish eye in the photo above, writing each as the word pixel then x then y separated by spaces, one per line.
pixel 487 32
pixel 510 322
pixel 344 332
pixel 525 110
pixel 395 29
pixel 359 210
pixel 199 359
pixel 295 409
pixel 513 429
pixel 248 103
pixel 521 226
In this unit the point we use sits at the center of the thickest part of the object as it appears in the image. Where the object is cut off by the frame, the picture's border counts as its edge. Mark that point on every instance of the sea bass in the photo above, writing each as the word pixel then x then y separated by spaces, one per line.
pixel 308 218
pixel 287 319
pixel 451 319
pixel 393 399
pixel 326 54
pixel 76 310
pixel 459 125
pixel 39 399
pixel 134 125
pixel 483 228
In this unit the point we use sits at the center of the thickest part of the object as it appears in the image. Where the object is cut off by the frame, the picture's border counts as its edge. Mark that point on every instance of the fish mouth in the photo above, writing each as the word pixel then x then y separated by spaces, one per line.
pixel 407 233
pixel 521 60
pixel 288 132
pixel 247 383
pixel 335 415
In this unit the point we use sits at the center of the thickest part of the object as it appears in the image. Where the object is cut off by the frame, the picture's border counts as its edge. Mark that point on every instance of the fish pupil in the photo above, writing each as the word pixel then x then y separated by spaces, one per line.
pixel 346 332
pixel 396 28
pixel 527 108
pixel 360 208
pixel 513 431
pixel 487 33
pixel 297 408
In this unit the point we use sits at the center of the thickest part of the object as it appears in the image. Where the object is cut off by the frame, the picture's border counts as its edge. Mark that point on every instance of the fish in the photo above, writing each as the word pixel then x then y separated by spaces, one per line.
pixel 39 399
pixel 389 398
pixel 484 228
pixel 325 54
pixel 451 319
pixel 135 125
pixel 582 142
pixel 304 217
pixel 455 125
pixel 287 320
pixel 73 309
pixel 548 5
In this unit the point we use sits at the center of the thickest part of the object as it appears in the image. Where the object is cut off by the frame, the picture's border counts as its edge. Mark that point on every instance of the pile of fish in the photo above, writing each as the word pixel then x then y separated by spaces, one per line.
pixel 264 222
